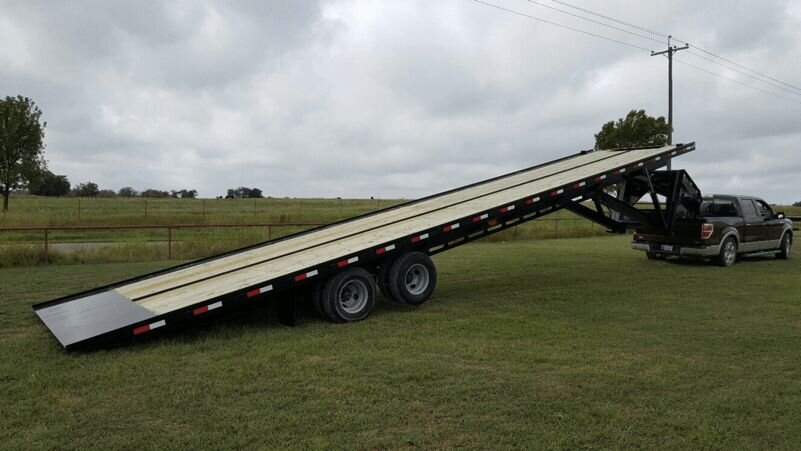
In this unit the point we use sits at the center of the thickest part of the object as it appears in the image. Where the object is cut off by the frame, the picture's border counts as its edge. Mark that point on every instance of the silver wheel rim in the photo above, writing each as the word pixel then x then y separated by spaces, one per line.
pixel 729 252
pixel 353 296
pixel 416 279
pixel 787 246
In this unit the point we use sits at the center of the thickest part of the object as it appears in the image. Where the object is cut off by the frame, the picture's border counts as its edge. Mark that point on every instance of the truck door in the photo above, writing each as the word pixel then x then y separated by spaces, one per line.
pixel 772 228
pixel 753 225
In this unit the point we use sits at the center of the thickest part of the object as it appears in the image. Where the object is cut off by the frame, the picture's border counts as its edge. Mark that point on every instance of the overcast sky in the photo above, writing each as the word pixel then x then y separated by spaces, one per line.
pixel 391 99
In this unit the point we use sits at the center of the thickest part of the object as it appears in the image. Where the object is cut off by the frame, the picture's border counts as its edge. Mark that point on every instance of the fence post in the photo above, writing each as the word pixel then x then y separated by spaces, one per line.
pixel 46 249
pixel 169 243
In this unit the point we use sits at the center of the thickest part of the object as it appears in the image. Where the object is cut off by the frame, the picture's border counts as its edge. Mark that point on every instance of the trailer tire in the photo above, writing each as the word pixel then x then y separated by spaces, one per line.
pixel 412 278
pixel 383 281
pixel 348 296
pixel 786 246
pixel 317 298
pixel 728 252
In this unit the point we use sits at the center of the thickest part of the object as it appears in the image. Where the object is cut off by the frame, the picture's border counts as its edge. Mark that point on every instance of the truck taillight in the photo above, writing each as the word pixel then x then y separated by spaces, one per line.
pixel 707 230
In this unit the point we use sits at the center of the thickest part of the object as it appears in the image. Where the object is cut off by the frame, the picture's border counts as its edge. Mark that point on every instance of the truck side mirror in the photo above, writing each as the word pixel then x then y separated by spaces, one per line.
pixel 780 215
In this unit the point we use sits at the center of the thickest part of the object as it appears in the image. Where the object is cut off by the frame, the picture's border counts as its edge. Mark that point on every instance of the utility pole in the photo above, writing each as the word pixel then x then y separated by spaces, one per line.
pixel 669 52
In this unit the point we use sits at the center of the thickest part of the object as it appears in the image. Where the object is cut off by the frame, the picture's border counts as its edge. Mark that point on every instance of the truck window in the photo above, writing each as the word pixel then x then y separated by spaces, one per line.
pixel 764 209
pixel 718 207
pixel 749 209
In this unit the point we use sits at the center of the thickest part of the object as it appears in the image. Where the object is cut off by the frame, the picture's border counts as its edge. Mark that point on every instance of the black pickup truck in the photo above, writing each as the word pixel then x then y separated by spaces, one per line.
pixel 721 228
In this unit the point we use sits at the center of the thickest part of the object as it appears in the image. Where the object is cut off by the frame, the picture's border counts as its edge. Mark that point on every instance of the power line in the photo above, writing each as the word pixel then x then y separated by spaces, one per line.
pixel 656 33
pixel 562 25
pixel 733 80
pixel 611 19
pixel 596 21
pixel 775 85
pixel 628 44
pixel 748 69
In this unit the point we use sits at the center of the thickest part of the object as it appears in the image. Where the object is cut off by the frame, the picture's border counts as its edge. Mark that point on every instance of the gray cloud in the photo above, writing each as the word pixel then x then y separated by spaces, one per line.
pixel 360 98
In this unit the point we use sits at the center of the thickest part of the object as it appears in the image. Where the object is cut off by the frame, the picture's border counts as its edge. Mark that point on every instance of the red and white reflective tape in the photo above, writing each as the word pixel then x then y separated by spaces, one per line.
pixel 600 177
pixel 258 291
pixel 507 208
pixel 579 185
pixel 347 262
pixel 382 250
pixel 419 237
pixel 206 308
pixel 557 192
pixel 480 218
pixel 620 171
pixel 149 327
pixel 305 275
pixel 448 228
pixel 532 200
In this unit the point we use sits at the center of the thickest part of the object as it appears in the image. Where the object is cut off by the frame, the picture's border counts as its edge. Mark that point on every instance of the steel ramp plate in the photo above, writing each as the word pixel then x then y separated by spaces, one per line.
pixel 80 319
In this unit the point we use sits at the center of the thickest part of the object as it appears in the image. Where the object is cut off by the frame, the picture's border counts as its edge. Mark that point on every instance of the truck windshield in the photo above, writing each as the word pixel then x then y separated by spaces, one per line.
pixel 718 207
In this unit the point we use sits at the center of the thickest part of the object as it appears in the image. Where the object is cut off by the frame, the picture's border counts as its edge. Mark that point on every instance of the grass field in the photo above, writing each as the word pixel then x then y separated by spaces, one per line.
pixel 26 248
pixel 575 343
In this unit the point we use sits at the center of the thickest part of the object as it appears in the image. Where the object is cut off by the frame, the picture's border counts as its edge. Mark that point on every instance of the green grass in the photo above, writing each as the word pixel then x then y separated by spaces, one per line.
pixel 575 343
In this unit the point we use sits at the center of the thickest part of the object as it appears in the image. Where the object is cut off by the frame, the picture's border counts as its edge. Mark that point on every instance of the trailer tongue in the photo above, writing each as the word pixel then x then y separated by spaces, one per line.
pixel 343 260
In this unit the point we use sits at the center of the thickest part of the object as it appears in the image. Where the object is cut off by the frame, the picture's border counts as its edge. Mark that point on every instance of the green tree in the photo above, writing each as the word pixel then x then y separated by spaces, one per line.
pixel 127 191
pixel 635 130
pixel 49 184
pixel 88 189
pixel 244 193
pixel 154 193
pixel 21 143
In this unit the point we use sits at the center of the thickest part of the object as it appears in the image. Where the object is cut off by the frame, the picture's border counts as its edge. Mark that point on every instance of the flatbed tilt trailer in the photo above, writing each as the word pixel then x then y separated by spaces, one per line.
pixel 344 262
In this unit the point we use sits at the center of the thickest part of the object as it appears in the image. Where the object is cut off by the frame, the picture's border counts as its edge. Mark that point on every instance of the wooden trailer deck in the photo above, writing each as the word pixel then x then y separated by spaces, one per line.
pixel 191 285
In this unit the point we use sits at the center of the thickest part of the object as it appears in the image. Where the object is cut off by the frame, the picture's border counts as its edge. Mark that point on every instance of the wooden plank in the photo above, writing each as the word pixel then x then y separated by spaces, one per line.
pixel 306 257
pixel 217 266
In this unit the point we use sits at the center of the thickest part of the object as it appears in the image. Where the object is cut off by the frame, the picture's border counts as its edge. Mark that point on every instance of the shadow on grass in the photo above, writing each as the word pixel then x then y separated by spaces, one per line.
pixel 744 259
pixel 240 321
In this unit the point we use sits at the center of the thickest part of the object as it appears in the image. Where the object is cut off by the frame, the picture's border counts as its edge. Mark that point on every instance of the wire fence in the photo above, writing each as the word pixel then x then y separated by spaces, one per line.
pixel 66 239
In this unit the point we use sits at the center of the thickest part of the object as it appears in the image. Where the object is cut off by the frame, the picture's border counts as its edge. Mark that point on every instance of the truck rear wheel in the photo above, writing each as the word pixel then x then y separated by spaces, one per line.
pixel 786 246
pixel 348 296
pixel 728 252
pixel 412 278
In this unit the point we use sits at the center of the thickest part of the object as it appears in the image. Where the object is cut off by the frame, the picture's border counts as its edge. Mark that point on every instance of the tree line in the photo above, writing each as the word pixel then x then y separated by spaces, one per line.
pixel 48 184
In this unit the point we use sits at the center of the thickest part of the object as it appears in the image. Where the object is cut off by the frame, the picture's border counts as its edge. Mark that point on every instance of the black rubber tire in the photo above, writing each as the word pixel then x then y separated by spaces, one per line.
pixel 332 295
pixel 725 257
pixel 383 280
pixel 317 298
pixel 786 246
pixel 410 266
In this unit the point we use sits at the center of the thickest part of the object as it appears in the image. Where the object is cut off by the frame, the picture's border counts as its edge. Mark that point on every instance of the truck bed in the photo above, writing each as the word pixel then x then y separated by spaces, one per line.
pixel 150 297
